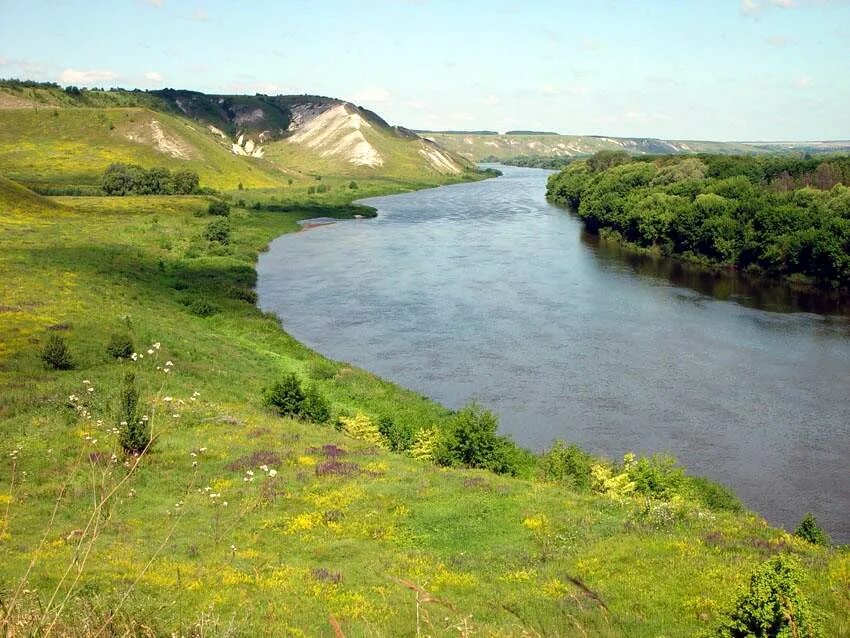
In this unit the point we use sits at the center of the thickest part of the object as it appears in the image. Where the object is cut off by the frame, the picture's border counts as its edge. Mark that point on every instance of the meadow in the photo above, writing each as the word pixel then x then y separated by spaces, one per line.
pixel 239 522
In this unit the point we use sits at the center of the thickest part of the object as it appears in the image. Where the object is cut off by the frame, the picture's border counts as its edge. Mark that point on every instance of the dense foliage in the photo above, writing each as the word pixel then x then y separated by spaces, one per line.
pixel 772 606
pixel 129 179
pixel 810 531
pixel 779 215
pixel 55 353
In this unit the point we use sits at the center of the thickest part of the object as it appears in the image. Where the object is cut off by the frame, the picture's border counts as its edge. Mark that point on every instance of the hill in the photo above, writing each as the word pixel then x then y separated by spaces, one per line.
pixel 50 135
pixel 479 148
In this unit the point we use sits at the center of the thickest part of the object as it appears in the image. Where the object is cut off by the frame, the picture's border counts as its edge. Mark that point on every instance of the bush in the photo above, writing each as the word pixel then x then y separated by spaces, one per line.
pixel 218 231
pixel 130 179
pixel 286 396
pixel 120 346
pixel 362 427
pixel 202 308
pixel 314 406
pixel 773 605
pixel 56 354
pixel 352 186
pixel 810 530
pixel 657 476
pixel 399 437
pixel 713 495
pixel 218 207
pixel 567 464
pixel 472 441
pixel 135 433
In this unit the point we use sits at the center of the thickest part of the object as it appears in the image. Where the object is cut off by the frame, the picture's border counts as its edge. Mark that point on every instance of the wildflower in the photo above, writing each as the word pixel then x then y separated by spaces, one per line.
pixel 167 399
pixel 250 473
pixel 272 473
pixel 134 356
pixel 150 351
pixel 264 468
pixel 193 454
pixel 194 464
pixel 86 382
pixel 168 363
pixel 224 504
pixel 203 449
pixel 176 416
pixel 144 417
pixel 156 345
pixel 90 389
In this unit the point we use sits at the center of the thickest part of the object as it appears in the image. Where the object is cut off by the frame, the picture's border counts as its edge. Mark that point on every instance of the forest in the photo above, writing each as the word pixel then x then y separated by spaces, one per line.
pixel 780 215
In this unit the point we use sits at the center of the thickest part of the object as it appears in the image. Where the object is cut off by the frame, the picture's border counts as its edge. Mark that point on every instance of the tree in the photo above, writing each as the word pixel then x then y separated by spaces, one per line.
pixel 286 396
pixel 56 354
pixel 810 530
pixel 134 428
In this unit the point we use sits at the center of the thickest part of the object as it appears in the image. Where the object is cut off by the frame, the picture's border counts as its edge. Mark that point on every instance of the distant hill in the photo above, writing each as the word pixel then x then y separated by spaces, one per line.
pixel 514 144
pixel 49 134
pixel 530 133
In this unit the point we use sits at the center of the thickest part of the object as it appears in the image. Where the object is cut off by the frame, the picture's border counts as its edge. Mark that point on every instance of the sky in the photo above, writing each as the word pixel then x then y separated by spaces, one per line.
pixel 676 69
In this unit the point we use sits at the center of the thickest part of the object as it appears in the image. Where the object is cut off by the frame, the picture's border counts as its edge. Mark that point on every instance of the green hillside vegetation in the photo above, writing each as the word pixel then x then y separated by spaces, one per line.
pixel 778 215
pixel 237 520
pixel 492 147
pixel 74 146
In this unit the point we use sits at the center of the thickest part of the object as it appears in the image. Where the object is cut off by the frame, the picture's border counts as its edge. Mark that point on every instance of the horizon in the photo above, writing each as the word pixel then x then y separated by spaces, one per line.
pixel 750 70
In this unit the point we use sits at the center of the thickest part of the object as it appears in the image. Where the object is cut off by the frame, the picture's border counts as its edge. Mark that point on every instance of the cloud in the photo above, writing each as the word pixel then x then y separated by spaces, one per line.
pixel 375 95
pixel 91 76
pixel 802 82
pixel 492 100
pixel 267 88
pixel 199 15
pixel 155 3
pixel 153 76
pixel 3 61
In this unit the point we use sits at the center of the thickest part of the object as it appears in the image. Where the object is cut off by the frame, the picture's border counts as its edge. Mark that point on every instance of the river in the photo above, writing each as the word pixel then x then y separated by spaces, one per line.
pixel 485 291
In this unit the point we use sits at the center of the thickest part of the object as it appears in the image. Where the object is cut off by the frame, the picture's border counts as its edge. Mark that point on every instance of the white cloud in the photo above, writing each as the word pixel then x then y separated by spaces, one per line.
pixel 802 82
pixel 267 88
pixel 492 100
pixel 374 95
pixel 199 15
pixel 3 61
pixel 153 76
pixel 91 76
pixel 155 3
pixel 778 40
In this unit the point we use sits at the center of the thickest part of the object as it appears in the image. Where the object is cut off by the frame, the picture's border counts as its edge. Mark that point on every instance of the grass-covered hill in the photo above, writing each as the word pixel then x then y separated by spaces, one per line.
pixel 69 136
pixel 488 146
pixel 236 520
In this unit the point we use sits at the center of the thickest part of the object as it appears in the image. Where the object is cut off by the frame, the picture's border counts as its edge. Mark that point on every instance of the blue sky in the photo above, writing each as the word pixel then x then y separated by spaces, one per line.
pixel 687 69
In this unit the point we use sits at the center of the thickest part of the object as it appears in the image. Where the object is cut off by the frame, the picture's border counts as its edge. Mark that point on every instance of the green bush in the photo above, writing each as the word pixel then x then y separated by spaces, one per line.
pixel 286 396
pixel 120 346
pixel 201 307
pixel 810 530
pixel 713 495
pixel 772 606
pixel 657 476
pixel 566 464
pixel 471 441
pixel 314 406
pixel 218 231
pixel 134 428
pixel 352 185
pixel 55 353
pixel 399 436
pixel 218 207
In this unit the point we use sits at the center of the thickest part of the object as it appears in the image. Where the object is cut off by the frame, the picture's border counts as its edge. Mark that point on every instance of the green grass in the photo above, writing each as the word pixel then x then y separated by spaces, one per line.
pixel 73 146
pixel 495 555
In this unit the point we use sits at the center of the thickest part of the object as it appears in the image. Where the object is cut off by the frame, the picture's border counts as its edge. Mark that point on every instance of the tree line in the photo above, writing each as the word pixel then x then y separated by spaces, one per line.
pixel 778 215
pixel 130 179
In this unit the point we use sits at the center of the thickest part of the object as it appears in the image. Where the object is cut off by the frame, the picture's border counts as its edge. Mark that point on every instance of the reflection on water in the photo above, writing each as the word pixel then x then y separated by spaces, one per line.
pixel 485 291
pixel 761 293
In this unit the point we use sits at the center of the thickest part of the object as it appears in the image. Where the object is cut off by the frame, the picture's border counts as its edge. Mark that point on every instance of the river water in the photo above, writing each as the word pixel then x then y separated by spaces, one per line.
pixel 485 291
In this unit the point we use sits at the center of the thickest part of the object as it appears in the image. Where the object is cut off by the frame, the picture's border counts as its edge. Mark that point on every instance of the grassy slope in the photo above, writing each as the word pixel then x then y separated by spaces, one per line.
pixel 499 553
pixel 478 147
pixel 75 145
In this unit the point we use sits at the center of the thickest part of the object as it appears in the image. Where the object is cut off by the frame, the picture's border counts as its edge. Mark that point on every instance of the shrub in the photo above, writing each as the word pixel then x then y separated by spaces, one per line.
pixel 286 396
pixel 218 207
pixel 362 427
pixel 713 495
pixel 218 230
pixel 134 430
pixel 399 437
pixel 772 606
pixel 352 186
pixel 810 530
pixel 657 476
pixel 202 307
pixel 567 464
pixel 314 406
pixel 472 441
pixel 120 346
pixel 56 354
pixel 321 369
pixel 425 444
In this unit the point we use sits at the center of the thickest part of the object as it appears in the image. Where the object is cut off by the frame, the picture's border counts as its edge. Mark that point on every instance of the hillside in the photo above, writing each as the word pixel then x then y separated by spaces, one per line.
pixel 239 520
pixel 478 147
pixel 49 135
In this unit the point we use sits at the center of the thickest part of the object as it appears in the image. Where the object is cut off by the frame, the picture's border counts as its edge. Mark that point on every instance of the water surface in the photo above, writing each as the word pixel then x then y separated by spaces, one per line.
pixel 485 291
